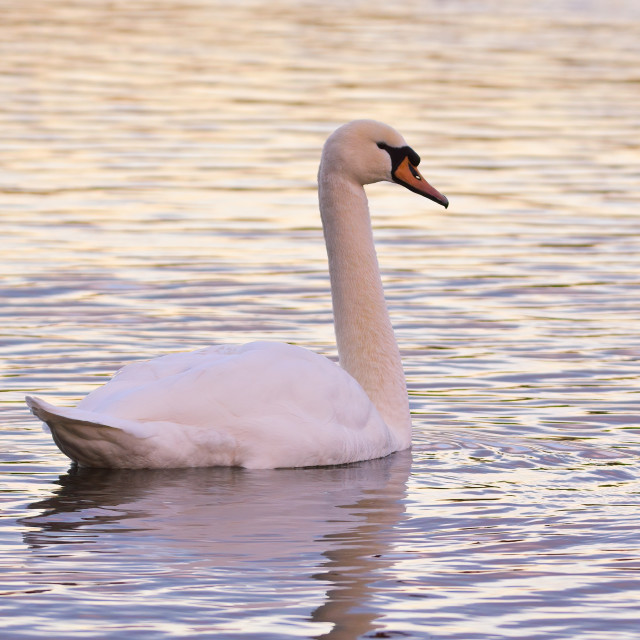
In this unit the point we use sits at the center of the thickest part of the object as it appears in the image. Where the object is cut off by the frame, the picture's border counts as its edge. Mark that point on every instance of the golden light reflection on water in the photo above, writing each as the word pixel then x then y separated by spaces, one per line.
pixel 158 194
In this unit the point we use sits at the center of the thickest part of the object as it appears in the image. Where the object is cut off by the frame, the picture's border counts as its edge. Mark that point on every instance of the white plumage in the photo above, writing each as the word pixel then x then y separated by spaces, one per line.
pixel 265 404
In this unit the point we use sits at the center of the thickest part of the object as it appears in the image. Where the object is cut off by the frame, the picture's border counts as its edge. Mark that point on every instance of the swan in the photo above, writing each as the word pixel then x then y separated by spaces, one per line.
pixel 266 405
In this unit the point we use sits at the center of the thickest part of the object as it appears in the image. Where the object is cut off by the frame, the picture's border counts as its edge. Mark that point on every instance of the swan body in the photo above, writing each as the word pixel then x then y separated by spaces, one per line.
pixel 265 404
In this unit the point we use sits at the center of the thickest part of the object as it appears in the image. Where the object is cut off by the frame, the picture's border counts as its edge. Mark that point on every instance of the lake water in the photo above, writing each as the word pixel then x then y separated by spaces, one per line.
pixel 157 194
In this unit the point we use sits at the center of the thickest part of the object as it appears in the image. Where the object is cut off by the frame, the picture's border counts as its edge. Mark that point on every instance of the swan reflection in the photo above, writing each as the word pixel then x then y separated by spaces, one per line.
pixel 231 532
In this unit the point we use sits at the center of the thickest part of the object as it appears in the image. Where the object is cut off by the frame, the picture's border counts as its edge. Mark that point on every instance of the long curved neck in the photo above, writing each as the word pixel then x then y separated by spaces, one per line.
pixel 366 344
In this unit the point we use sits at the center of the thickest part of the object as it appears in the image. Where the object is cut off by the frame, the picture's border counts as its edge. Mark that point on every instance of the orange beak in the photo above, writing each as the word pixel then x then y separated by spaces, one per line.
pixel 408 176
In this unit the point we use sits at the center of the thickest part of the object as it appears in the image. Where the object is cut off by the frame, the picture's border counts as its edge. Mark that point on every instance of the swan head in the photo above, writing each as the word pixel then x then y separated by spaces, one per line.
pixel 367 151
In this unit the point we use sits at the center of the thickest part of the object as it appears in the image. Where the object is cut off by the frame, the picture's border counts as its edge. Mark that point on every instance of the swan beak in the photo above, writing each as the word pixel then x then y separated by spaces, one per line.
pixel 408 176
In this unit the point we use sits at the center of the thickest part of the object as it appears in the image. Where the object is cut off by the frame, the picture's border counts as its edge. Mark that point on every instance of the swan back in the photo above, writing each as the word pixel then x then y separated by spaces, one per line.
pixel 259 405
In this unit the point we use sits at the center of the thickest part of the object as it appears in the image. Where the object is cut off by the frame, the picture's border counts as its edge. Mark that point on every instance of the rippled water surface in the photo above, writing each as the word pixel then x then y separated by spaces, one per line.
pixel 157 194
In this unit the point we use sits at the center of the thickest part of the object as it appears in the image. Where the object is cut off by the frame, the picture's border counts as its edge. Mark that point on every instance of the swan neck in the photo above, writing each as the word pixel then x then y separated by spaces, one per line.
pixel 366 342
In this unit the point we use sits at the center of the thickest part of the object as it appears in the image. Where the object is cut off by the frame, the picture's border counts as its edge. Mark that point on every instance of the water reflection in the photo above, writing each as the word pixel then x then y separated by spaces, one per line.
pixel 213 527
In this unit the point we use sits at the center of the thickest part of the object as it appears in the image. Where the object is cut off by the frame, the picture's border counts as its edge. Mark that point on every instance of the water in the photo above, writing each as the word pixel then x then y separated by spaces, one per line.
pixel 158 194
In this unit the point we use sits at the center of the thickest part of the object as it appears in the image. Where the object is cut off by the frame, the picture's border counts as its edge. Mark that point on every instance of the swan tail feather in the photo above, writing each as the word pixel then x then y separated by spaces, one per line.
pixel 86 440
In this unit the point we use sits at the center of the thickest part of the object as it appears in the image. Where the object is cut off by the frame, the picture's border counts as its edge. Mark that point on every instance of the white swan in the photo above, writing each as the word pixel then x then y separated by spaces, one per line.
pixel 269 405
